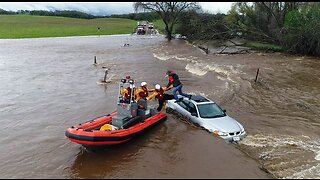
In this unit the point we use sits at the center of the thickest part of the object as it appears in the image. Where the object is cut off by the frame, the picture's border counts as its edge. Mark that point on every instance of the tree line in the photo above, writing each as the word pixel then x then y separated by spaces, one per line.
pixel 292 25
pixel 146 16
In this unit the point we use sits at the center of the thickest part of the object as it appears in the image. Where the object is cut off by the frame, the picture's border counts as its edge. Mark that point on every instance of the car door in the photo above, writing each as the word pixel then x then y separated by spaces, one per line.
pixel 182 108
pixel 187 108
pixel 192 110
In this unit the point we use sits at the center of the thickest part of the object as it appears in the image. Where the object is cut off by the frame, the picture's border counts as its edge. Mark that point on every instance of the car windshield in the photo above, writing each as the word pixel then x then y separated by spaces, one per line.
pixel 210 110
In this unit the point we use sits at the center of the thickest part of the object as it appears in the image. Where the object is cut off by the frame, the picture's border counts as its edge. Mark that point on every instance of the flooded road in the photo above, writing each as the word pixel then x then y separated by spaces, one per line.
pixel 280 111
pixel 50 84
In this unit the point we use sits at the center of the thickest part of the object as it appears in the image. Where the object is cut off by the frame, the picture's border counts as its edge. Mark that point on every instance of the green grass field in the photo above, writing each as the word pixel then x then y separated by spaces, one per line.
pixel 263 46
pixel 27 26
pixel 159 24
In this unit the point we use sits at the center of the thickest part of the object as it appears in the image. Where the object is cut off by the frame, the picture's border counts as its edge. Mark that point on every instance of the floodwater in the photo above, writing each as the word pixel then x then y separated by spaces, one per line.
pixel 50 84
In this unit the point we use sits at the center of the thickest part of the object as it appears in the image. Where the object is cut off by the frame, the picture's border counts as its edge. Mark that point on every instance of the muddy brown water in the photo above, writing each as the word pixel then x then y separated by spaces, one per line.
pixel 50 84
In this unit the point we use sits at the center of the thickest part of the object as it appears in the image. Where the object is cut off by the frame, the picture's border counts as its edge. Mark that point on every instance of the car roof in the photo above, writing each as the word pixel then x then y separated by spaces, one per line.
pixel 200 99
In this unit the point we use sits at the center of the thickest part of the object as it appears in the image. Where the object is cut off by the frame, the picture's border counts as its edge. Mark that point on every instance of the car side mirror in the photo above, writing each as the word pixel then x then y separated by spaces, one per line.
pixel 194 114
pixel 224 110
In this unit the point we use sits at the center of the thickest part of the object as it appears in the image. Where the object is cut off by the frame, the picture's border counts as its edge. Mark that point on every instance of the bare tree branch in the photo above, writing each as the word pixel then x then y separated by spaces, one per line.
pixel 169 11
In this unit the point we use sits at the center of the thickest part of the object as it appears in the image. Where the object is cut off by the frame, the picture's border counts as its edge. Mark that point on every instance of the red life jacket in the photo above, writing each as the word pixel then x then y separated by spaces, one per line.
pixel 144 93
pixel 160 94
pixel 171 79
pixel 174 80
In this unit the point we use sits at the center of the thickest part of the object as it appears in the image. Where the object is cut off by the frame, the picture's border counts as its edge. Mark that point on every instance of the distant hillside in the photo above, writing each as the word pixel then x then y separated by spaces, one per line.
pixel 27 26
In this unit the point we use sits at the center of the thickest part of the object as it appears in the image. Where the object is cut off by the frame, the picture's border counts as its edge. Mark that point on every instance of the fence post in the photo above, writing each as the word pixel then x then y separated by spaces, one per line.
pixel 105 75
pixel 257 75
pixel 95 60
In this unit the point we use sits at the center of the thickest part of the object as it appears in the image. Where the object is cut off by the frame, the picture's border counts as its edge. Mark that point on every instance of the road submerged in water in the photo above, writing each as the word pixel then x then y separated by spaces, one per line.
pixel 50 84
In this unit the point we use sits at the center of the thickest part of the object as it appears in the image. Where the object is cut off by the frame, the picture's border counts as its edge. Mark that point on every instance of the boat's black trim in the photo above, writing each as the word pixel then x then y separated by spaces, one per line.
pixel 131 122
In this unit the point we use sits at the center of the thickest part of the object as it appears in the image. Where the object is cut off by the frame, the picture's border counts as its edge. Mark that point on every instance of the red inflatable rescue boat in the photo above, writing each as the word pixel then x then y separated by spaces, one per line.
pixel 130 120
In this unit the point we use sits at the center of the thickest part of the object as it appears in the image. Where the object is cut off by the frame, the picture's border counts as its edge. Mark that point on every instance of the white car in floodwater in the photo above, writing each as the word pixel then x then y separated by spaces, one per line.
pixel 207 114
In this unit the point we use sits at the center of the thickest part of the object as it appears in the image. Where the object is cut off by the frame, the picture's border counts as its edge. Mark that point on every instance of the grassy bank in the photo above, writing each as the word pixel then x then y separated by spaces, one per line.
pixel 263 46
pixel 26 26
pixel 160 26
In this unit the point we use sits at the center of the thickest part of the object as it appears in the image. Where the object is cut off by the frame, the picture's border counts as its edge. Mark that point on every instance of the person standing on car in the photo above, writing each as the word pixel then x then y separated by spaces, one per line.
pixel 177 85
pixel 160 95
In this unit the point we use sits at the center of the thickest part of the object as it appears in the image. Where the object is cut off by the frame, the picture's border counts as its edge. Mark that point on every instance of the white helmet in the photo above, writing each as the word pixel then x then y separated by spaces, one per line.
pixel 157 87
pixel 143 84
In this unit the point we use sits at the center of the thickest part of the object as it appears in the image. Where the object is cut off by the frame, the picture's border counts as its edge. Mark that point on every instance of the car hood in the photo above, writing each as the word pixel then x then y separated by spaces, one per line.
pixel 224 124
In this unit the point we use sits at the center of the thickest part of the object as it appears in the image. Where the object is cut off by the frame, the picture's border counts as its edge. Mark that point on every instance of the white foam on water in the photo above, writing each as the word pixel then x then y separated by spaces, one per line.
pixel 255 141
pixel 298 59
pixel 165 57
pixel 224 71
pixel 318 156
pixel 191 44
pixel 185 59
pixel 310 173
pixel 181 58
pixel 162 57
pixel 221 78
pixel 199 93
pixel 226 85
pixel 281 140
pixel 200 68
pixel 275 141
pixel 195 69
pixel 218 69
pixel 268 69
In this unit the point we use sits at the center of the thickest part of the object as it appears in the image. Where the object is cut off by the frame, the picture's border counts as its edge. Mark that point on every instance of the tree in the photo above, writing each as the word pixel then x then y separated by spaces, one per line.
pixel 168 11
pixel 302 33
pixel 204 26
pixel 261 20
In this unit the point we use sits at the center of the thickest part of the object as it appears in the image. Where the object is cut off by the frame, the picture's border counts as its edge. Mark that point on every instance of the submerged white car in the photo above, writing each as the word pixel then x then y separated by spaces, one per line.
pixel 207 114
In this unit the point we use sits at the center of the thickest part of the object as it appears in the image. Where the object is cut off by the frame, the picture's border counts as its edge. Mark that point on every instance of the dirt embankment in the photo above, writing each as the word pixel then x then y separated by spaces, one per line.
pixel 231 46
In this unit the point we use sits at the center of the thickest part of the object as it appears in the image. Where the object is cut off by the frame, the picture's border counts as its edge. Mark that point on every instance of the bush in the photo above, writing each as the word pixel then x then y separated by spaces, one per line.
pixel 302 33
pixel 203 26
